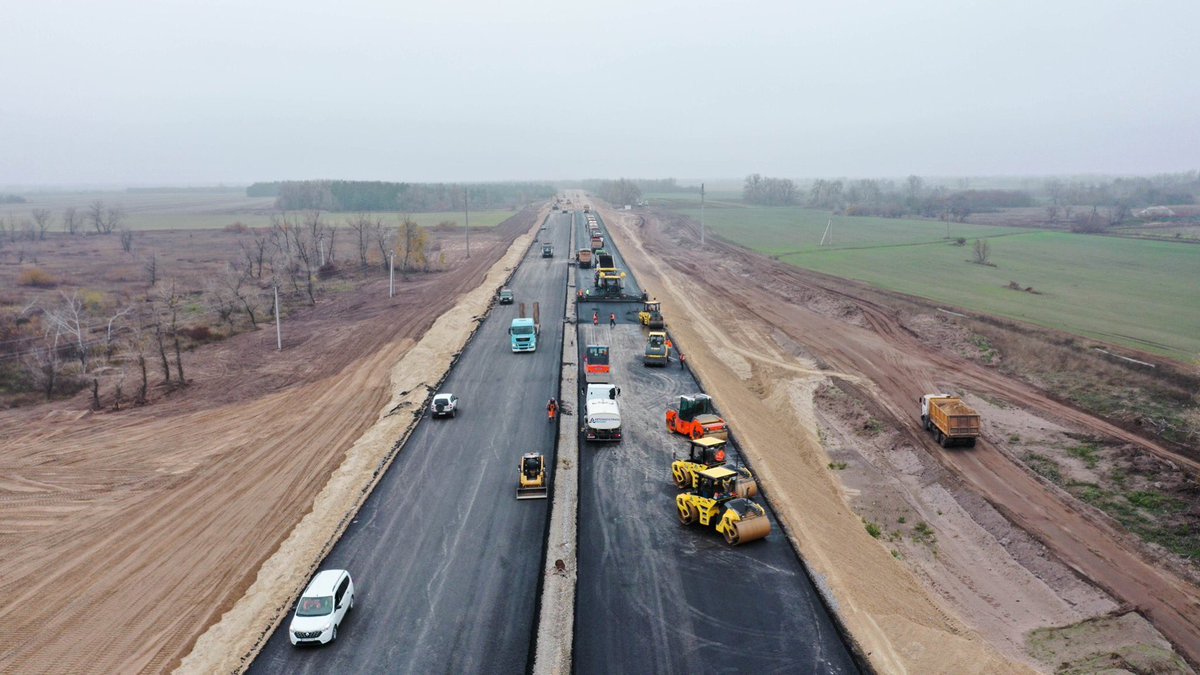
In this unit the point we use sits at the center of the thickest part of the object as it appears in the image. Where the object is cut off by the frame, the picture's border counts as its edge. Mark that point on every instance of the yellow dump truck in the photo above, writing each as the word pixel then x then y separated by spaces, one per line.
pixel 951 421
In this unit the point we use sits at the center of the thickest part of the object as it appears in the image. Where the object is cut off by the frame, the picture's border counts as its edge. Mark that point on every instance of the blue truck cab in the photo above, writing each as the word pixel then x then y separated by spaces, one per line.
pixel 523 333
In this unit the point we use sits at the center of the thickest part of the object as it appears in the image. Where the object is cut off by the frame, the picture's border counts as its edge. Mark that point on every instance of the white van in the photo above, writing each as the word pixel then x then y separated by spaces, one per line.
pixel 321 608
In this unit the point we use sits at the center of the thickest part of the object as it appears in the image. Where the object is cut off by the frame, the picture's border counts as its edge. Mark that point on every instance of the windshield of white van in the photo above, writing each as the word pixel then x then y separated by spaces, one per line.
pixel 315 606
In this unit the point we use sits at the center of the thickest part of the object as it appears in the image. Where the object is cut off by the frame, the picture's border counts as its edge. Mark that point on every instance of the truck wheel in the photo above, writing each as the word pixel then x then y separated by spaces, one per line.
pixel 970 442
pixel 944 440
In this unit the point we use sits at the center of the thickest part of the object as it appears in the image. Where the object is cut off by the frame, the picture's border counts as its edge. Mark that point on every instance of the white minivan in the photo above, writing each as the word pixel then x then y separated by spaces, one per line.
pixel 321 608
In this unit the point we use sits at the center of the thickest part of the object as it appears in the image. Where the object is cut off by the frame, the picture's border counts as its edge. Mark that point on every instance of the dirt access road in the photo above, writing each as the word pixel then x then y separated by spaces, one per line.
pixel 747 320
pixel 126 534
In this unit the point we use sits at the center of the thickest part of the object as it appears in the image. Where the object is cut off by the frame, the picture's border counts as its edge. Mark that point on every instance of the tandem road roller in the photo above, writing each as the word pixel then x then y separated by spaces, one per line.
pixel 714 503
pixel 706 453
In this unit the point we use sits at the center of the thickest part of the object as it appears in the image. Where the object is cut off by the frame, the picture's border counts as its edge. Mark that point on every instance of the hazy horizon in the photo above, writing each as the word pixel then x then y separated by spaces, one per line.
pixel 129 93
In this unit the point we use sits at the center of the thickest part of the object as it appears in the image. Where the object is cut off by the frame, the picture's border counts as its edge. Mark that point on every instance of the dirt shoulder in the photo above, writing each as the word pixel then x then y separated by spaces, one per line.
pixel 766 336
pixel 128 534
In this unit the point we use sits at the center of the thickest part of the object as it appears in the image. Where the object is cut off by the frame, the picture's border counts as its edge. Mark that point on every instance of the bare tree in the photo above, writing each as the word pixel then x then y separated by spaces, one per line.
pixel 1052 213
pixel 72 220
pixel 383 239
pixel 113 218
pixel 70 319
pixel 254 252
pixel 42 219
pixel 43 358
pixel 160 340
pixel 137 345
pixel 127 240
pixel 362 227
pixel 171 301
pixel 232 294
pixel 95 215
pixel 108 336
pixel 151 267
pixel 982 251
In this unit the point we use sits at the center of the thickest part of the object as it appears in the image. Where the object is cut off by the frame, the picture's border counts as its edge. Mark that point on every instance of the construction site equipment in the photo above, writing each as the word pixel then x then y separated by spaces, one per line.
pixel 610 284
pixel 714 503
pixel 584 257
pixel 597 242
pixel 657 352
pixel 602 420
pixel 547 250
pixel 524 330
pixel 531 477
pixel 596 366
pixel 651 314
pixel 696 418
pixel 604 260
pixel 951 421
pixel 587 208
pixel 707 453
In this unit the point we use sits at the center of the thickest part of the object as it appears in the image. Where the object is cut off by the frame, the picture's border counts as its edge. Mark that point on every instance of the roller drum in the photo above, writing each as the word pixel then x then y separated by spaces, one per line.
pixel 746 531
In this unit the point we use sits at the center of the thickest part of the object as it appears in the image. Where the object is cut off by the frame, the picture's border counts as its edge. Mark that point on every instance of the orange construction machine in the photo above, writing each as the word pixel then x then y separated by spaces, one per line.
pixel 695 417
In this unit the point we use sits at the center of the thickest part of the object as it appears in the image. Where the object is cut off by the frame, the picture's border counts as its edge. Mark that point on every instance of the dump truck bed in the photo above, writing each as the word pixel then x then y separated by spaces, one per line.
pixel 955 418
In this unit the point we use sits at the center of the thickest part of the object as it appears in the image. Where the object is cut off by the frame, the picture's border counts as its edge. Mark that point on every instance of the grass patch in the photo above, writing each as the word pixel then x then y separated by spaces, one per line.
pixel 1137 293
pixel 1087 453
pixel 922 533
pixel 1044 466
pixel 872 529
pixel 873 427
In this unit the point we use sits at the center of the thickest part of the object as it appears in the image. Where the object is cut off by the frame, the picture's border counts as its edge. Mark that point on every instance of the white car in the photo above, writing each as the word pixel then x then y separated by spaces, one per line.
pixel 321 608
pixel 444 405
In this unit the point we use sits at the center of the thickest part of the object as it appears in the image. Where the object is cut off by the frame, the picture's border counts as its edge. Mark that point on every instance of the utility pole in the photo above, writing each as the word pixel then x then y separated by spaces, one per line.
pixel 702 214
pixel 278 331
pixel 391 274
pixel 467 217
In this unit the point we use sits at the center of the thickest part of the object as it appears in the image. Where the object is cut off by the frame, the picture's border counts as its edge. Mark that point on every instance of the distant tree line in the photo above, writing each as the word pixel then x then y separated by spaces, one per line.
pixel 618 192
pixel 368 196
pixel 644 185
pixel 11 199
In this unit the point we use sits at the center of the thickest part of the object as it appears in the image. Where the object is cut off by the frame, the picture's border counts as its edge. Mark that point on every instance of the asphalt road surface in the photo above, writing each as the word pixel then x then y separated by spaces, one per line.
pixel 446 562
pixel 655 596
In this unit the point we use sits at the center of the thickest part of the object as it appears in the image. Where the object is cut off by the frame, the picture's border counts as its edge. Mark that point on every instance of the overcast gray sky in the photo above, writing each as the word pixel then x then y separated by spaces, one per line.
pixel 172 92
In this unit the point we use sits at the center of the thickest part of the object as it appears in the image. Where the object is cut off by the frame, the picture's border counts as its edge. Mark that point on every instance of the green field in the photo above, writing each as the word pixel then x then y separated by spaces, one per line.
pixel 203 210
pixel 1139 293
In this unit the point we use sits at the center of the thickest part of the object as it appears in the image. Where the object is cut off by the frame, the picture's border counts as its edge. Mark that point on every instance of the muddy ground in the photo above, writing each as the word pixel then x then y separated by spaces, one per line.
pixel 976 550
pixel 126 534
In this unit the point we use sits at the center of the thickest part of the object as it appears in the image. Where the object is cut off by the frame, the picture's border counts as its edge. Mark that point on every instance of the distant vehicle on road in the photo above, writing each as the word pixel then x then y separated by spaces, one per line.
pixel 547 250
pixel 444 405
pixel 321 608
pixel 584 257
pixel 506 296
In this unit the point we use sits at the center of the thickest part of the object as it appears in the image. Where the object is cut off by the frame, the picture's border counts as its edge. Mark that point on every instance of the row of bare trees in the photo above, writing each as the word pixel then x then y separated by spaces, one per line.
pixel 73 341
pixel 102 218
pixel 70 340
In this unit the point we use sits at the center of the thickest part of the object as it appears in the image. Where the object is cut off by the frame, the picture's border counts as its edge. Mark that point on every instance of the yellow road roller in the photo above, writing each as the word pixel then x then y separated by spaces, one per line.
pixel 714 503
pixel 705 453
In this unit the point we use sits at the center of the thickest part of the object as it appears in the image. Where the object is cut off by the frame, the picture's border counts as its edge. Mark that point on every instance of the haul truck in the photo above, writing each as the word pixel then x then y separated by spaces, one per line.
pixel 951 421
pixel 523 333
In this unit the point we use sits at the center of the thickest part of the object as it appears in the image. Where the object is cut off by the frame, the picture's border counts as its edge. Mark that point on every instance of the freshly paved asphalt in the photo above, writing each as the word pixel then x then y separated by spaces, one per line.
pixel 445 560
pixel 657 597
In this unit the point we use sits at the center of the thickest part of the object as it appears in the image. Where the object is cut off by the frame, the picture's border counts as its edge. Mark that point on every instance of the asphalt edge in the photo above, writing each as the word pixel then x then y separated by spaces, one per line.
pixel 556 619
pixel 248 658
